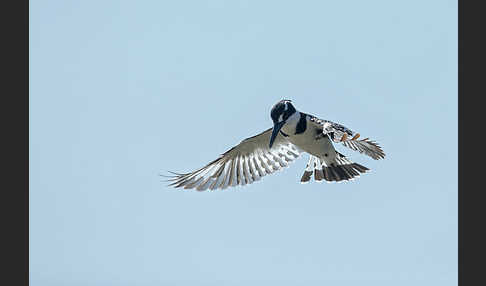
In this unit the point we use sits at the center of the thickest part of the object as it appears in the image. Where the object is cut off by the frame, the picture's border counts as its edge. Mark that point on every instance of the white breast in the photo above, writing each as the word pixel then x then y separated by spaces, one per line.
pixel 306 141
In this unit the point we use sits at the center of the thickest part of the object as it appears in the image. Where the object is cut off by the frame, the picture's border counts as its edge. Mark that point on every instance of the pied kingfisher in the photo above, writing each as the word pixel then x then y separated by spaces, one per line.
pixel 293 133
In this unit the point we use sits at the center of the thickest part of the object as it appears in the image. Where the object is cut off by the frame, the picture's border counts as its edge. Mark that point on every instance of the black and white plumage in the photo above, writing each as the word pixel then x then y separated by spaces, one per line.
pixel 293 133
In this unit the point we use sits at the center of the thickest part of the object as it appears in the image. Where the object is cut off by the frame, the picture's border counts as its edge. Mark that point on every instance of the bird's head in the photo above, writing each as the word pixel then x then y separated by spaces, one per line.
pixel 280 112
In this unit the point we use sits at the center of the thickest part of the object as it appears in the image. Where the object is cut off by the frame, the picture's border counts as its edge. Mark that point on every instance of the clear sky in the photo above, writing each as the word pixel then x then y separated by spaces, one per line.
pixel 123 90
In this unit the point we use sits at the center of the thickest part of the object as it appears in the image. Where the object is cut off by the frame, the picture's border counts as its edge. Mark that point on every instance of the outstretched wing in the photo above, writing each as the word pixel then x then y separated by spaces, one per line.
pixel 341 134
pixel 243 164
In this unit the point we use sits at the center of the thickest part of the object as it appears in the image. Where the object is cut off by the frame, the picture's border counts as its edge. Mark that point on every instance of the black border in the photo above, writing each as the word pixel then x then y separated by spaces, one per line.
pixel 460 199
pixel 471 70
pixel 15 145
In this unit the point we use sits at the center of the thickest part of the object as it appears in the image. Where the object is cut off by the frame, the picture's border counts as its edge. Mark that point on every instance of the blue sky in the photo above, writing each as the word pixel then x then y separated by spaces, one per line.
pixel 123 90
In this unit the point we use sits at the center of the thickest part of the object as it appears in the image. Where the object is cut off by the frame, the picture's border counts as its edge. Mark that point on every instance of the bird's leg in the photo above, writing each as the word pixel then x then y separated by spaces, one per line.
pixel 320 135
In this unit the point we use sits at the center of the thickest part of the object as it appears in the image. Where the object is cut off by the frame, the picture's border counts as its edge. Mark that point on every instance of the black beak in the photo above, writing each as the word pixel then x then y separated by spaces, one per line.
pixel 276 129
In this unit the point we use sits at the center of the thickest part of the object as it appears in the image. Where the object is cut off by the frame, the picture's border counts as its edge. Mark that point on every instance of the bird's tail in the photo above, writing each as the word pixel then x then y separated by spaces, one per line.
pixel 342 169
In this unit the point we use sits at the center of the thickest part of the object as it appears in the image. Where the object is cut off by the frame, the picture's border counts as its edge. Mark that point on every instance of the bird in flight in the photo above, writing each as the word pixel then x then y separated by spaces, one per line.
pixel 293 133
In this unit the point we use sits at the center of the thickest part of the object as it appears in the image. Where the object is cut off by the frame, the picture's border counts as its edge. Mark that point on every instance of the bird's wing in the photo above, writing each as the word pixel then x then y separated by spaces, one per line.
pixel 341 134
pixel 243 164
